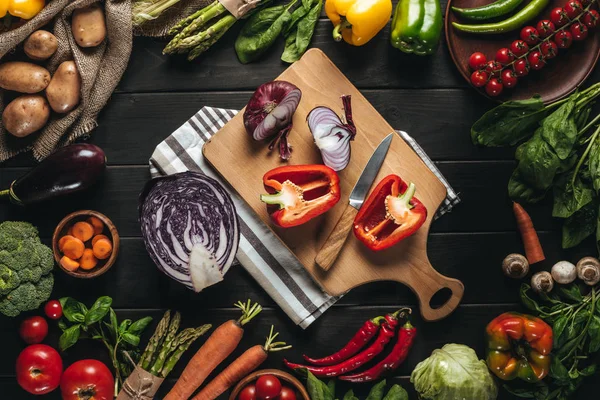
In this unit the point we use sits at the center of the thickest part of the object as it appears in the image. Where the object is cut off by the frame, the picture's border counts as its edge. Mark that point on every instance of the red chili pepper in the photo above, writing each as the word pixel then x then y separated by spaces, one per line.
pixel 385 335
pixel 404 343
pixel 390 214
pixel 301 191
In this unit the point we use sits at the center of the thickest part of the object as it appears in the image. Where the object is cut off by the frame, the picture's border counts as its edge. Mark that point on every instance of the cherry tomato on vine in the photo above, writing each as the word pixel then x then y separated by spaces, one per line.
pixel 573 8
pixel 504 56
pixel 545 28
pixel 579 31
pixel 267 387
pixel 53 309
pixel 519 47
pixel 493 68
pixel 247 393
pixel 477 60
pixel 563 39
pixel 530 35
pixel 590 19
pixel 479 78
pixel 536 60
pixel 493 87
pixel 521 67
pixel 549 49
pixel 509 78
pixel 558 17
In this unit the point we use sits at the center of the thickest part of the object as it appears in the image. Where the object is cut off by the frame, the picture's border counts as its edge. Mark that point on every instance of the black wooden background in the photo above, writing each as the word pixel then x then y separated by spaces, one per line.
pixel 424 96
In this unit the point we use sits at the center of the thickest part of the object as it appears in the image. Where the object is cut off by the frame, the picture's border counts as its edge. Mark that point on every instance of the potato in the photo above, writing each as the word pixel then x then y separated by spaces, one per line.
pixel 40 45
pixel 23 77
pixel 26 114
pixel 64 90
pixel 88 25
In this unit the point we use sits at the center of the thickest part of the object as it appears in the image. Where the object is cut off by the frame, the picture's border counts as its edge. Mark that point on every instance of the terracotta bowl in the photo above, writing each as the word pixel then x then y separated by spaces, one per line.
pixel 109 230
pixel 285 378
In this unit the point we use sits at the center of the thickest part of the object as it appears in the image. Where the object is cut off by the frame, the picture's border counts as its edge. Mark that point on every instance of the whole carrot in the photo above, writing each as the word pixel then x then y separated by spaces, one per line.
pixel 217 347
pixel 242 366
pixel 531 241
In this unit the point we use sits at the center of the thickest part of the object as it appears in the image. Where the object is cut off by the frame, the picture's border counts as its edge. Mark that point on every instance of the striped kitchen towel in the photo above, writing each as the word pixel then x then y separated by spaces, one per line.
pixel 261 253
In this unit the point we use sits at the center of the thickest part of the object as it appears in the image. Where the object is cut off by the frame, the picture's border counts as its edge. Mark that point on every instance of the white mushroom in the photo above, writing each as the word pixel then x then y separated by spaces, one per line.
pixel 542 282
pixel 564 272
pixel 588 270
pixel 515 266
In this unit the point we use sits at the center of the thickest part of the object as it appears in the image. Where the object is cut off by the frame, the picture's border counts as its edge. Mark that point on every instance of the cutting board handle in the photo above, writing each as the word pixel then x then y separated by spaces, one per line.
pixel 430 287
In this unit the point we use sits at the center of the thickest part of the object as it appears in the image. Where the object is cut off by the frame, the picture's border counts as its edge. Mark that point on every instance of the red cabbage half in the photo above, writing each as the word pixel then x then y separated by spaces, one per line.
pixel 190 228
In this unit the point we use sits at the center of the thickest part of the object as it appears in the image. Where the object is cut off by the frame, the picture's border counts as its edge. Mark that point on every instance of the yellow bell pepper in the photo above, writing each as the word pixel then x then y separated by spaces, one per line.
pixel 25 9
pixel 357 21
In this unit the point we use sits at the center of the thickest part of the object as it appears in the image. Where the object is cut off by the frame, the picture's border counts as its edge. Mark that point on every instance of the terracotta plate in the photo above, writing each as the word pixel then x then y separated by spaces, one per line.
pixel 561 76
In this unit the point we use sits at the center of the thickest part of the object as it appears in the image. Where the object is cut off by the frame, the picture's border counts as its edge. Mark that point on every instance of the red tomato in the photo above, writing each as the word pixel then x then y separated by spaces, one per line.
pixel 287 394
pixel 53 309
pixel 248 393
pixel 504 56
pixel 33 330
pixel 38 369
pixel 573 8
pixel 479 78
pixel 558 17
pixel 86 379
pixel 536 60
pixel 590 19
pixel 477 60
pixel 579 31
pixel 521 67
pixel 267 387
pixel 530 35
pixel 493 68
pixel 545 28
pixel 493 87
pixel 563 39
pixel 509 78
pixel 519 47
pixel 549 50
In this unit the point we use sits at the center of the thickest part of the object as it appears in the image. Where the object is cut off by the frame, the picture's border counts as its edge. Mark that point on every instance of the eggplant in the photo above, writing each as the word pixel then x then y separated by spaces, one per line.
pixel 68 170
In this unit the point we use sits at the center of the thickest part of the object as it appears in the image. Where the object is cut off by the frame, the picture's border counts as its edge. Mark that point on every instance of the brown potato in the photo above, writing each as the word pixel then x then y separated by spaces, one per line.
pixel 26 114
pixel 64 90
pixel 88 25
pixel 40 45
pixel 23 77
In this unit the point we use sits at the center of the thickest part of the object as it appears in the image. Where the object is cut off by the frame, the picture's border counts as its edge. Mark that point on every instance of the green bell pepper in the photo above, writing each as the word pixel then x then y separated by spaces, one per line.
pixel 417 26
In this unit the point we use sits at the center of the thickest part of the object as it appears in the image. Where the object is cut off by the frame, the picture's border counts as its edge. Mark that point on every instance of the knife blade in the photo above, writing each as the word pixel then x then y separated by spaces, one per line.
pixel 334 243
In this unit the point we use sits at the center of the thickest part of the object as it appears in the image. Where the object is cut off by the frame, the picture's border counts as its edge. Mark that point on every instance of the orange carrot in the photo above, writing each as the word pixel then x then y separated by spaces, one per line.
pixel 241 367
pixel 83 231
pixel 98 237
pixel 62 240
pixel 97 224
pixel 217 347
pixel 87 260
pixel 531 241
pixel 73 248
pixel 102 249
pixel 69 264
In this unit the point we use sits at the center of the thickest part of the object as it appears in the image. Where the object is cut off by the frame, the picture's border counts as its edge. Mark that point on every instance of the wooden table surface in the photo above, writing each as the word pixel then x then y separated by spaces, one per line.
pixel 424 96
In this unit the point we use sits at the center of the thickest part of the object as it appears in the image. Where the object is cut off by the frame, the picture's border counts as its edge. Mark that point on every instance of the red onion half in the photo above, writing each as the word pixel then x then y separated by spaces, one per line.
pixel 269 112
pixel 332 136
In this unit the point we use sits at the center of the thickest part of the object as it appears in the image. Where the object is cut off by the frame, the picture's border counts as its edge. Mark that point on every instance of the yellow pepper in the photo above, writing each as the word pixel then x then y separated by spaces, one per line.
pixel 358 21
pixel 25 9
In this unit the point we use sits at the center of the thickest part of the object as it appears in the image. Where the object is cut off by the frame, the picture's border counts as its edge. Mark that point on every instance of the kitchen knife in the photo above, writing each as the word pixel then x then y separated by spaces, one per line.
pixel 334 243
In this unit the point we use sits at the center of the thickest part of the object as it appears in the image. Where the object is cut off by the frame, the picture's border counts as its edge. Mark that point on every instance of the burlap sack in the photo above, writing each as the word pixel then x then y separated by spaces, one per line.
pixel 100 67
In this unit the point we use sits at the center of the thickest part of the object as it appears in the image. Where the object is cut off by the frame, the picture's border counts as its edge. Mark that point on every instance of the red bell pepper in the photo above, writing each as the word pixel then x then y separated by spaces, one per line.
pixel 301 191
pixel 390 214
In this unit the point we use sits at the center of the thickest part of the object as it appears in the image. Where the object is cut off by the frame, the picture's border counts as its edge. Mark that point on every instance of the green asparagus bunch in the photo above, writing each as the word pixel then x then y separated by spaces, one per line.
pixel 166 345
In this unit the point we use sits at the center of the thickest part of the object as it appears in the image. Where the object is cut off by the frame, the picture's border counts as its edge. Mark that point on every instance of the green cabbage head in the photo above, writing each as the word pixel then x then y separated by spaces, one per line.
pixel 454 373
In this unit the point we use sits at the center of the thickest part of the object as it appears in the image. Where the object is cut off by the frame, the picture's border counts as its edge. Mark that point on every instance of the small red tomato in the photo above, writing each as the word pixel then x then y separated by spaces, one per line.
pixel 558 17
pixel 573 8
pixel 530 35
pixel 38 369
pixel 509 78
pixel 53 309
pixel 287 394
pixel 579 31
pixel 549 49
pixel 33 330
pixel 521 67
pixel 493 87
pixel 563 39
pixel 545 28
pixel 267 387
pixel 519 47
pixel 504 56
pixel 536 60
pixel 590 19
pixel 248 393
pixel 493 68
pixel 477 60
pixel 479 78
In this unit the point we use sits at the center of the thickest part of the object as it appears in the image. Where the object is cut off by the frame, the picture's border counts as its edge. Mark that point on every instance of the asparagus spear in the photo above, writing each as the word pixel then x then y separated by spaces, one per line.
pixel 212 11
pixel 212 37
pixel 187 20
pixel 155 341
pixel 182 347
pixel 215 31
pixel 166 345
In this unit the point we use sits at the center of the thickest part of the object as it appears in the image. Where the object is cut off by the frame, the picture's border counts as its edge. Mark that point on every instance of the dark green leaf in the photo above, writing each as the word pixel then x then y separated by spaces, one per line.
pixel 571 292
pixel 579 226
pixel 317 389
pixel 62 325
pixel 73 310
pixel 290 27
pixel 124 326
pixel 350 395
pixel 594 165
pixel 522 192
pixel 377 391
pixel 69 337
pixel 594 334
pixel 306 27
pixel 558 371
pixel 527 301
pixel 589 370
pixel 290 51
pixel 98 311
pixel 396 392
pixel 582 117
pixel 538 163
pixel 559 129
pixel 114 324
pixel 331 386
pixel 138 326
pixel 508 123
pixel 570 198
pixel 558 328
pixel 131 339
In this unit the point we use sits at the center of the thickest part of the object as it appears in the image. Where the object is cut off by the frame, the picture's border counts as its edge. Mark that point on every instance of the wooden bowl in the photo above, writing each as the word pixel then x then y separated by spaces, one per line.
pixel 284 377
pixel 560 77
pixel 109 230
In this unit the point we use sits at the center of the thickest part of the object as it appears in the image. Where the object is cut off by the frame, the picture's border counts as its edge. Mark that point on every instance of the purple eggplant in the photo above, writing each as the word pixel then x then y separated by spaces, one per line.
pixel 69 169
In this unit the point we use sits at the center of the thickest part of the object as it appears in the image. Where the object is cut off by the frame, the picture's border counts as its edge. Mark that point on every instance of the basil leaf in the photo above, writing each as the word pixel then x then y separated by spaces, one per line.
pixel 331 386
pixel 594 165
pixel 572 292
pixel 579 226
pixel 73 310
pixel 509 123
pixel 396 392
pixel 138 326
pixel 527 301
pixel 131 339
pixel 350 395
pixel 98 311
pixel 62 324
pixel 317 389
pixel 124 326
pixel 522 192
pixel 594 334
pixel 589 370
pixel 114 324
pixel 538 163
pixel 559 129
pixel 558 328
pixel 570 198
pixel 69 337
pixel 558 371
pixel 377 391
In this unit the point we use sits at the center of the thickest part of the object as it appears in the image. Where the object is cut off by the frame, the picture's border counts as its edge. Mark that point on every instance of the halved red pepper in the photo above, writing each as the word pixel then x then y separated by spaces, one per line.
pixel 301 191
pixel 390 214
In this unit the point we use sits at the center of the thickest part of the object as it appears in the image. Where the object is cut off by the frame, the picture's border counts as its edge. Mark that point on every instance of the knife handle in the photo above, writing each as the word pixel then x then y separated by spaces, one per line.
pixel 334 243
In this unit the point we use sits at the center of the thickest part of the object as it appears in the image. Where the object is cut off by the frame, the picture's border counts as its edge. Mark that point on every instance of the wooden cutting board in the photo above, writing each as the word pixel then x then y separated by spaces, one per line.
pixel 243 162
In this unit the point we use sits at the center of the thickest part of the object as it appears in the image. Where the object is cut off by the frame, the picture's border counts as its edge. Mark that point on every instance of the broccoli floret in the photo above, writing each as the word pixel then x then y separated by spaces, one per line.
pixel 45 256
pixel 44 288
pixel 8 280
pixel 19 230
